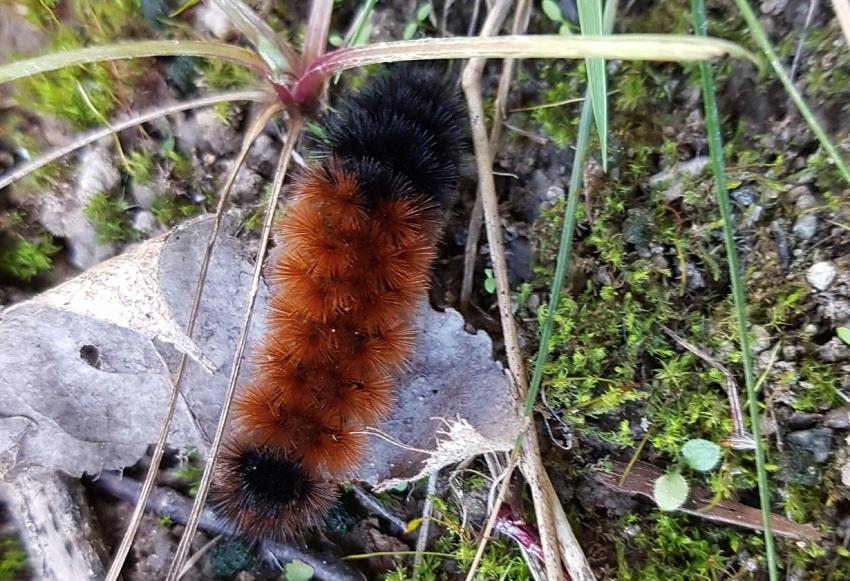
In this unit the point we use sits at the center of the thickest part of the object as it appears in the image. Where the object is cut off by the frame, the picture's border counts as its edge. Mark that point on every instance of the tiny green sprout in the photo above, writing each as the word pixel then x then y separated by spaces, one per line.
pixel 843 334
pixel 671 491
pixel 422 14
pixel 553 13
pixel 524 293
pixel 490 281
pixel 701 455
pixel 298 571
pixel 166 521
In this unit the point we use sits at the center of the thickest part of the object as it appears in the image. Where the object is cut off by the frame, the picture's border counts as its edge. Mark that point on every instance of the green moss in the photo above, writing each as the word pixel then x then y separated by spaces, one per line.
pixel 110 218
pixel 82 95
pixel 817 388
pixel 668 546
pixel 22 260
pixel 13 559
pixel 172 210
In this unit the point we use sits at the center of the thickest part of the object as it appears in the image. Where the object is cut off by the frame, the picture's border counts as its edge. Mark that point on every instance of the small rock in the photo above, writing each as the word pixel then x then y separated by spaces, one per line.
pixel 695 279
pixel 821 274
pixel 692 167
pixel 761 339
pixel 210 18
pixel 834 350
pixel 838 419
pixel 790 352
pixel 144 195
pixel 803 421
pixel 805 202
pixel 146 223
pixel 638 228
pixel 806 226
pixel 744 195
pixel 818 441
pixel 262 157
pixel 660 262
pixel 247 185
pixel 62 212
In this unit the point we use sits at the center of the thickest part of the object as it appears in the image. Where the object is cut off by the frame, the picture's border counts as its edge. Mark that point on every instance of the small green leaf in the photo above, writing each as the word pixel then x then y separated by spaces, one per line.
pixel 670 491
pixel 298 571
pixel 335 39
pixel 843 334
pixel 409 30
pixel 423 12
pixel 490 281
pixel 701 454
pixel 552 10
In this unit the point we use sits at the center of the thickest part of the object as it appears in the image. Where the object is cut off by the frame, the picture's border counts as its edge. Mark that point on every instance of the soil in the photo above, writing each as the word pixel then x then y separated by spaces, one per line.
pixel 652 215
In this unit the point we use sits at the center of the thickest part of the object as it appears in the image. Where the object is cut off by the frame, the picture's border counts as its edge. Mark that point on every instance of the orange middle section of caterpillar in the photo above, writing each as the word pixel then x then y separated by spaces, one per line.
pixel 346 280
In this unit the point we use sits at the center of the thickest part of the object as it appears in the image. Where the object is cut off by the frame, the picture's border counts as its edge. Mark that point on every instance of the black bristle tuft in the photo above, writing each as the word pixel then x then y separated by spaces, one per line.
pixel 405 127
pixel 268 494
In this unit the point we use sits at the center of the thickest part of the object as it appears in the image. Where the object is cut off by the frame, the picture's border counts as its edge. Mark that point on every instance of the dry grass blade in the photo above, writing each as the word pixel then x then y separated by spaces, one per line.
pixel 130 50
pixel 83 140
pixel 654 47
pixel 531 462
pixel 206 479
pixel 254 130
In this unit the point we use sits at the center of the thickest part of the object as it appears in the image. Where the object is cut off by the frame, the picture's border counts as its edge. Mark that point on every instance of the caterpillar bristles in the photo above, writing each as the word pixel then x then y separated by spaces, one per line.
pixel 355 247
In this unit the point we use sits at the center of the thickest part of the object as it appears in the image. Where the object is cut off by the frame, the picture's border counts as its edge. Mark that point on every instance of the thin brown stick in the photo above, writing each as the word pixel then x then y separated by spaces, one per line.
pixel 474 230
pixel 842 12
pixel 740 438
pixel 253 132
pixel 206 479
pixel 472 89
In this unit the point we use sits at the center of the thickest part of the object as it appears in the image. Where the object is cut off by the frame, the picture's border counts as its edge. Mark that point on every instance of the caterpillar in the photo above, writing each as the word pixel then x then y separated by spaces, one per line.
pixel 352 261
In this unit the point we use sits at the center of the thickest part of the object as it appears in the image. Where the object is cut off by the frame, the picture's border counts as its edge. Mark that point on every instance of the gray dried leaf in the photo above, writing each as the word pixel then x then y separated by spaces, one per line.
pixel 85 369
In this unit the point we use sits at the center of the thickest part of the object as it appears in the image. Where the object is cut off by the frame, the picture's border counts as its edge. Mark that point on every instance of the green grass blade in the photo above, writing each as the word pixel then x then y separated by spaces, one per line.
pixel 280 58
pixel 590 20
pixel 761 38
pixel 715 145
pixel 130 50
pixel 566 243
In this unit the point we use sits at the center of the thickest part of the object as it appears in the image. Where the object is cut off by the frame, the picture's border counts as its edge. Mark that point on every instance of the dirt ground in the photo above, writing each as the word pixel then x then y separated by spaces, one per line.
pixel 648 255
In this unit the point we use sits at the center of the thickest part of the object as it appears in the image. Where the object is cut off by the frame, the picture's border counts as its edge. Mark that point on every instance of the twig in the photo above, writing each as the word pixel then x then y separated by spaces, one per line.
pixel 641 479
pixel 206 479
pixel 740 438
pixel 254 131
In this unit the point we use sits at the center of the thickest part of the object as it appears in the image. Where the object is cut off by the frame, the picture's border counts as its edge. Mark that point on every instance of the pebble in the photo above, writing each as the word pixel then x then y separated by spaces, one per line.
pixel 761 339
pixel 805 202
pixel 695 279
pixel 838 419
pixel 806 226
pixel 818 441
pixel 834 350
pixel 821 274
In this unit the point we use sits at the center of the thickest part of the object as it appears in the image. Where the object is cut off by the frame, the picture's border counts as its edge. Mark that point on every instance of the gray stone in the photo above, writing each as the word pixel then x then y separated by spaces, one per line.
pixel 821 274
pixel 62 212
pixel 838 419
pixel 834 350
pixel 818 441
pixel 805 202
pixel 761 339
pixel 806 226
